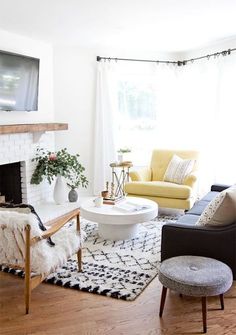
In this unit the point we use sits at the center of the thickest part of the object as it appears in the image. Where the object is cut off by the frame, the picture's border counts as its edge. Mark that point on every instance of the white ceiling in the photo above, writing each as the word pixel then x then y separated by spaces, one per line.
pixel 165 25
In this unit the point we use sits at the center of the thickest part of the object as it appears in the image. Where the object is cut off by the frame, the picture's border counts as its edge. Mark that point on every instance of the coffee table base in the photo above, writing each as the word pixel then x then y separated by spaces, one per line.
pixel 118 232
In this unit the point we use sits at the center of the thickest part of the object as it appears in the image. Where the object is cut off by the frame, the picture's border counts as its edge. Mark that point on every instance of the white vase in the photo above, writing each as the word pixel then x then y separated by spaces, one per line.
pixel 60 192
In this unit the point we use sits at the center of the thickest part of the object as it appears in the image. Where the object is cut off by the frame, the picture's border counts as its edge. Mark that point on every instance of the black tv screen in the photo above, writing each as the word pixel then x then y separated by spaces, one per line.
pixel 19 77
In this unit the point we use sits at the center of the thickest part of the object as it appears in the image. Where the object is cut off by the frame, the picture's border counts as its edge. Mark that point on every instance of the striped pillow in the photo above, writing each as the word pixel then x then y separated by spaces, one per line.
pixel 178 169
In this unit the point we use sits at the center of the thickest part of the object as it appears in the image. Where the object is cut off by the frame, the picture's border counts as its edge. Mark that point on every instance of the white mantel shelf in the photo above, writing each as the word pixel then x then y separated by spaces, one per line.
pixel 32 128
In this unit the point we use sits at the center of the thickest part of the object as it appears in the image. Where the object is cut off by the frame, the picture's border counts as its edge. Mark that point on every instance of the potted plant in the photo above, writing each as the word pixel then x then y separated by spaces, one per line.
pixel 121 153
pixel 58 164
pixel 75 180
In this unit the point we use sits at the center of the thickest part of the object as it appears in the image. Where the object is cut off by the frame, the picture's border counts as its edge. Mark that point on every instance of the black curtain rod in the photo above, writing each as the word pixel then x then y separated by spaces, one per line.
pixel 99 58
pixel 179 62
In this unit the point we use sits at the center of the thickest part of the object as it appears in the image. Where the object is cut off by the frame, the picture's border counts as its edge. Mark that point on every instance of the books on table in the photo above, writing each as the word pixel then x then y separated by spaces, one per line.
pixel 129 207
pixel 113 201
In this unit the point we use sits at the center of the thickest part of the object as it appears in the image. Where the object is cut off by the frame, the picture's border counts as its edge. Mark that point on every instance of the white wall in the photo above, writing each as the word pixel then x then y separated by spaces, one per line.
pixel 26 46
pixel 74 97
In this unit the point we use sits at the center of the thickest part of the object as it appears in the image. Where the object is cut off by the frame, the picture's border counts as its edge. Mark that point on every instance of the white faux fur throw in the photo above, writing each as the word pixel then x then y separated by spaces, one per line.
pixel 44 258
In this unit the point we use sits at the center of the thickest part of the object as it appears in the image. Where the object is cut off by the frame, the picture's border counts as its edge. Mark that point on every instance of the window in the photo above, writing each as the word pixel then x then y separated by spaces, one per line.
pixel 137 115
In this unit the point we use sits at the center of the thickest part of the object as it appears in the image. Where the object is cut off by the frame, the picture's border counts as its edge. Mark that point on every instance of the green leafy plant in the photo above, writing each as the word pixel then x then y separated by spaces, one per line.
pixel 50 164
pixel 124 150
pixel 76 180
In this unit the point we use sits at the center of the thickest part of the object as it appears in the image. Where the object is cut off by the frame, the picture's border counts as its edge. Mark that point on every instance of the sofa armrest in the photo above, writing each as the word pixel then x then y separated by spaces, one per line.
pixel 191 179
pixel 141 175
pixel 219 187
pixel 184 239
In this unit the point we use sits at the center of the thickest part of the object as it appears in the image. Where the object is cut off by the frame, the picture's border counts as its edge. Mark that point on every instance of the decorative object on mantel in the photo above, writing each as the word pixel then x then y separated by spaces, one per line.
pixel 59 164
pixel 120 269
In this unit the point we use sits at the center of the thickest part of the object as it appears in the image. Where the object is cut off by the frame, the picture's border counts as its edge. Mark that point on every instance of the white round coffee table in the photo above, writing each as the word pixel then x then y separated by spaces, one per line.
pixel 117 224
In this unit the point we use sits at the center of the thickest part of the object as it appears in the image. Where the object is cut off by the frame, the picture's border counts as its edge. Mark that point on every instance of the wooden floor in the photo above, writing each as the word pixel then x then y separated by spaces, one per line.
pixel 62 311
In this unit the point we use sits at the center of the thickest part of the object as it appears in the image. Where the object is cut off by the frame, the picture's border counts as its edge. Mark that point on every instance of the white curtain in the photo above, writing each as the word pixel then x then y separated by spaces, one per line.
pixel 105 132
pixel 187 107
pixel 225 125
pixel 207 107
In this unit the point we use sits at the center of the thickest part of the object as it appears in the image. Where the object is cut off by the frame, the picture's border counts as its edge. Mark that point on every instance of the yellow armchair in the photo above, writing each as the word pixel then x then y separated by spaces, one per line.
pixel 149 182
pixel 141 175
pixel 191 179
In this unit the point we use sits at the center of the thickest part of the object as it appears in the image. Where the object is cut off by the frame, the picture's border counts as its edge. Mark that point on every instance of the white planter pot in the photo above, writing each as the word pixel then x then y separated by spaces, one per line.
pixel 60 192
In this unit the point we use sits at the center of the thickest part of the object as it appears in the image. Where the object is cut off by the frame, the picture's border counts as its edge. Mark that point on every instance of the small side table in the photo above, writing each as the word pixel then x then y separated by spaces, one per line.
pixel 120 174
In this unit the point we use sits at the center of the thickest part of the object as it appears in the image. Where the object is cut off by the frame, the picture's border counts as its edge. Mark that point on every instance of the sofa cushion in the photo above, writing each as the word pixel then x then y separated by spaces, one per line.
pixel 159 189
pixel 188 219
pixel 221 210
pixel 198 207
pixel 210 196
pixel 178 169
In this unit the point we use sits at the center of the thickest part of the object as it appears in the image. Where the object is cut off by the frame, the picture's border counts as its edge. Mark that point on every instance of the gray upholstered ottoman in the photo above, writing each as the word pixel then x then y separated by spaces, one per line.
pixel 195 276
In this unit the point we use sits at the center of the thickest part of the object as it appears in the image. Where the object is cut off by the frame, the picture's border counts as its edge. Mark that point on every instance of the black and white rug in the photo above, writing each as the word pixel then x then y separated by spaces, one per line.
pixel 118 269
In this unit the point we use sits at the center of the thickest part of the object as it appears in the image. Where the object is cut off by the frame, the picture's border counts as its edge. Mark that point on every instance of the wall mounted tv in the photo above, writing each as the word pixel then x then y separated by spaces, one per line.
pixel 19 77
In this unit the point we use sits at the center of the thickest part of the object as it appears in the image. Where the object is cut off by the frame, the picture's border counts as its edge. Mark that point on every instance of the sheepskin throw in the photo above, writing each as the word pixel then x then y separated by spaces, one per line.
pixel 44 258
pixel 25 208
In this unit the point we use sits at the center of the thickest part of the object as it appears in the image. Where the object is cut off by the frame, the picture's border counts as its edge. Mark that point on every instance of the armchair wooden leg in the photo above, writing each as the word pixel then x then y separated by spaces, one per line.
pixel 27 270
pixel 79 258
pixel 27 295
pixel 79 253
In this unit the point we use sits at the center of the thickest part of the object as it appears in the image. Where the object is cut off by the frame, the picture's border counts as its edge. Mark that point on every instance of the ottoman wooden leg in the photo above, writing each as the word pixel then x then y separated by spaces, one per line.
pixel 222 301
pixel 163 299
pixel 204 314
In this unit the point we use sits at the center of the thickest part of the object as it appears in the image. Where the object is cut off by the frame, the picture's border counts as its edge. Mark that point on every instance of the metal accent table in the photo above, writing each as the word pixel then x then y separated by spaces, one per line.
pixel 120 177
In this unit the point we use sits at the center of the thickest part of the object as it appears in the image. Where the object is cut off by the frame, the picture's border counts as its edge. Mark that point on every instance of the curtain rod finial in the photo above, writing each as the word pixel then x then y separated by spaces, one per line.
pixel 99 58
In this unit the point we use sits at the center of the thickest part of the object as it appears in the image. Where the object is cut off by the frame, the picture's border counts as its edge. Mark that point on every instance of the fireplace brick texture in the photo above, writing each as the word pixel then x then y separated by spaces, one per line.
pixel 21 148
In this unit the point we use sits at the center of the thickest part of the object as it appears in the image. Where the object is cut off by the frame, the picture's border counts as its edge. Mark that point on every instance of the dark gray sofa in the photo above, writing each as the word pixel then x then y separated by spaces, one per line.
pixel 185 238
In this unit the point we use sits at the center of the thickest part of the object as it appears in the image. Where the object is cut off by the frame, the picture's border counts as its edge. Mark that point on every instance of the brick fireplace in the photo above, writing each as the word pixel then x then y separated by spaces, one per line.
pixel 19 148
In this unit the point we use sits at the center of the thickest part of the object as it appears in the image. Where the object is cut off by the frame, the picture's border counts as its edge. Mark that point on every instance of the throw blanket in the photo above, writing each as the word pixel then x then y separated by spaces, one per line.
pixel 31 209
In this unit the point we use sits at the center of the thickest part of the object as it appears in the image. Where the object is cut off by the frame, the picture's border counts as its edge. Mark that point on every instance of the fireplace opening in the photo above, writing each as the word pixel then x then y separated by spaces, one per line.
pixel 10 183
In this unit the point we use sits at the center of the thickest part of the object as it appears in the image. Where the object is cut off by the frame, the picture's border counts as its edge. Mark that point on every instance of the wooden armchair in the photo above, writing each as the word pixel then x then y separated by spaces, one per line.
pixel 23 245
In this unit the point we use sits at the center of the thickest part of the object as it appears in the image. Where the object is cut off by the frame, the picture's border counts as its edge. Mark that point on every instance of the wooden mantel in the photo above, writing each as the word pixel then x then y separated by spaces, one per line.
pixel 32 128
